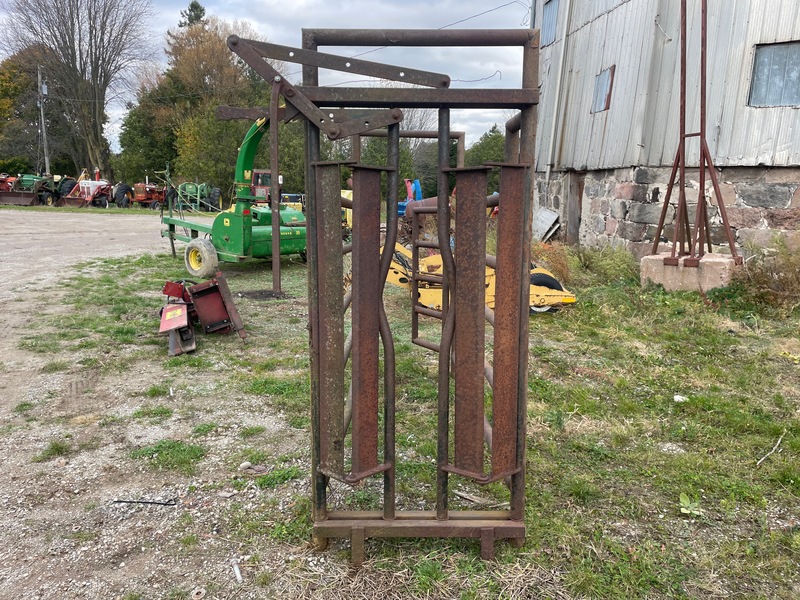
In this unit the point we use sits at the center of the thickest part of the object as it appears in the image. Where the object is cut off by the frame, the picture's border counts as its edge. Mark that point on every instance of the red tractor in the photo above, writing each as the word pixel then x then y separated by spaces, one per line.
pixel 148 195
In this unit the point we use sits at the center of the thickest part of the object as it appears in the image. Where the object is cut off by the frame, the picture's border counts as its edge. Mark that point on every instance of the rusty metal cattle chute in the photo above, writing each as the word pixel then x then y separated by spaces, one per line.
pixel 365 414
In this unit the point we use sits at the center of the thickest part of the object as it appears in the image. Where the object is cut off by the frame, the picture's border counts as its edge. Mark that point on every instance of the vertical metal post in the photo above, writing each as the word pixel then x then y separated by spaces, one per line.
pixel 319 480
pixel 510 283
pixel 393 176
pixel 448 317
pixel 275 187
pixel 331 321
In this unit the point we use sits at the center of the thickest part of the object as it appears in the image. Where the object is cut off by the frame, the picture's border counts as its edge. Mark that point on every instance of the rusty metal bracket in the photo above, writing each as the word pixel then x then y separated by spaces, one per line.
pixel 294 96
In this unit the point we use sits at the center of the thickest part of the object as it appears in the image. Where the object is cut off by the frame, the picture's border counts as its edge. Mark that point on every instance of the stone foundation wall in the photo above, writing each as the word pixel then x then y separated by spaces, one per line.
pixel 623 206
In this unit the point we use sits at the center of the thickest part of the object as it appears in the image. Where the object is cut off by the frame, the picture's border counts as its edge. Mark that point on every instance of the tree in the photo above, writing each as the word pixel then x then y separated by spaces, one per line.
pixel 193 15
pixel 20 135
pixel 89 48
pixel 490 148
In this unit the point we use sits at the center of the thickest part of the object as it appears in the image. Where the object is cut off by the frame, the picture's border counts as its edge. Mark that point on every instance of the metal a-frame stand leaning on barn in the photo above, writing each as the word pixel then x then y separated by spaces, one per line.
pixel 687 245
pixel 359 411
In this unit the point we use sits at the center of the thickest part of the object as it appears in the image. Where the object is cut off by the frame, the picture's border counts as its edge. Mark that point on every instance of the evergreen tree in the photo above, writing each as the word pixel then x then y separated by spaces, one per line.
pixel 193 15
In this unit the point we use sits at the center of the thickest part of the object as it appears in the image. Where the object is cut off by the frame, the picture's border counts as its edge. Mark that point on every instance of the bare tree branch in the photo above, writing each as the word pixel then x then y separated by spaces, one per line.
pixel 89 48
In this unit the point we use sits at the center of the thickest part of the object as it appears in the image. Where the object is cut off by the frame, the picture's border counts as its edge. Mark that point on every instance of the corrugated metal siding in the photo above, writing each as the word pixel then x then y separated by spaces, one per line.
pixel 617 34
pixel 641 126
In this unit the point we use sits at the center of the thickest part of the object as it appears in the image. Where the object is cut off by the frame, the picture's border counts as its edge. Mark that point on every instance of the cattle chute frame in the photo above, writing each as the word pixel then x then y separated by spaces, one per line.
pixel 340 112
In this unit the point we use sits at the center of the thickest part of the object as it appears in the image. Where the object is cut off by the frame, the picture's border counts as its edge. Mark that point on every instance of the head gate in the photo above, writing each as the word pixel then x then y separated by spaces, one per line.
pixel 485 447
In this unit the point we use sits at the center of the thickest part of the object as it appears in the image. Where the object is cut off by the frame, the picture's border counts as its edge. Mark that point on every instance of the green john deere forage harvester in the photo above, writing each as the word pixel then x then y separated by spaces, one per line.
pixel 242 232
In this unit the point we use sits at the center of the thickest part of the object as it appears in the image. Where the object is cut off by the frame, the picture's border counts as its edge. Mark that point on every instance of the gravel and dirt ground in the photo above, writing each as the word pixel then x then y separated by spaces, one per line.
pixel 37 246
pixel 63 531
pixel 73 523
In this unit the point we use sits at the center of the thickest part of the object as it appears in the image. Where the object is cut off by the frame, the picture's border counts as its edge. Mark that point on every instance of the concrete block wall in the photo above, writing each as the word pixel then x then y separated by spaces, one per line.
pixel 623 206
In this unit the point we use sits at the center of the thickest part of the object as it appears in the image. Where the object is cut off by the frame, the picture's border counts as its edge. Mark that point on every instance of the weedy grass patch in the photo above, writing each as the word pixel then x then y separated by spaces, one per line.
pixel 174 455
pixel 648 414
pixel 54 449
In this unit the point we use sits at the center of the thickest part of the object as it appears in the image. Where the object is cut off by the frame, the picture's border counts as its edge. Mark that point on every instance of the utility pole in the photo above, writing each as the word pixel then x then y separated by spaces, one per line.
pixel 42 94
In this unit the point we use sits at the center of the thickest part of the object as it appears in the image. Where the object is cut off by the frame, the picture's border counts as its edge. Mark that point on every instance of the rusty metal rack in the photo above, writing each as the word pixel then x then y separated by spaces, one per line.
pixel 354 424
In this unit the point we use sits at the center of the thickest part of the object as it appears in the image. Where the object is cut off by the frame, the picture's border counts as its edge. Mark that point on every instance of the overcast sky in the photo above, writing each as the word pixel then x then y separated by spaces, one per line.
pixel 281 22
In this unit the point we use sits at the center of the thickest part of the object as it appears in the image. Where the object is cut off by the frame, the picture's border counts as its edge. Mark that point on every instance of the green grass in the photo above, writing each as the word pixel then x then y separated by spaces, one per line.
pixel 54 448
pixel 204 429
pixel 173 455
pixel 155 414
pixel 287 394
pixel 56 366
pixel 278 476
pixel 252 431
pixel 609 449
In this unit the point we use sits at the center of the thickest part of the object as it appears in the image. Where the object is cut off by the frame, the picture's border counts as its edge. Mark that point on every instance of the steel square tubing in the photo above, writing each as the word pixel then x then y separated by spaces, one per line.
pixel 508 286
pixel 331 320
pixel 417 37
pixel 419 98
pixel 366 296
pixel 469 305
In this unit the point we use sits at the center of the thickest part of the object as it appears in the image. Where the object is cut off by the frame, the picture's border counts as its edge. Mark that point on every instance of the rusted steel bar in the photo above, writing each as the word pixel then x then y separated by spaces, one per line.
pixel 448 324
pixel 275 194
pixel 331 325
pixel 319 480
pixel 412 98
pixel 530 78
pixel 416 232
pixel 418 37
pixel 389 452
pixel 459 136
pixel 435 279
pixel 509 285
pixel 428 312
pixel 468 305
pixel 426 344
pixel 351 65
pixel 720 204
pixel 366 288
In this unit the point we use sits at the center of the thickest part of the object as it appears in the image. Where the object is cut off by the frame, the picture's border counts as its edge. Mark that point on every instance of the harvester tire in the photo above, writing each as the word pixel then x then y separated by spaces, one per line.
pixel 201 258
pixel 549 282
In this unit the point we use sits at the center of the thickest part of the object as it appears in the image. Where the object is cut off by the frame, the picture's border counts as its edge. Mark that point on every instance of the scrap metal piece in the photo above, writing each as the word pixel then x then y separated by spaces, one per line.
pixel 215 307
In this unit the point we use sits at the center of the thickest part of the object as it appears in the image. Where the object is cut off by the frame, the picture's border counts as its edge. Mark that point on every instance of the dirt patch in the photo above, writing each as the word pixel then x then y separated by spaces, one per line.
pixel 63 531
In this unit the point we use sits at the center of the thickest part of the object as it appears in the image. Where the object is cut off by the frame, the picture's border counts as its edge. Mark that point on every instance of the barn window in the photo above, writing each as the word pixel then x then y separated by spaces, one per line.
pixel 776 75
pixel 603 84
pixel 549 20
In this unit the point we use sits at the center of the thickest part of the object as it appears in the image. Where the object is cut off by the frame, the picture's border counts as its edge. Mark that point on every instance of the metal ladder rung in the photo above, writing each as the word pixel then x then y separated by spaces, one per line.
pixel 437 279
pixel 428 312
pixel 426 344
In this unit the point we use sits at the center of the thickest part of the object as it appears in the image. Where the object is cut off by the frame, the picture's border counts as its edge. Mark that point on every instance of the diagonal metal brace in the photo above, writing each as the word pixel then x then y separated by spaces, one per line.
pixel 350 65
pixel 320 119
